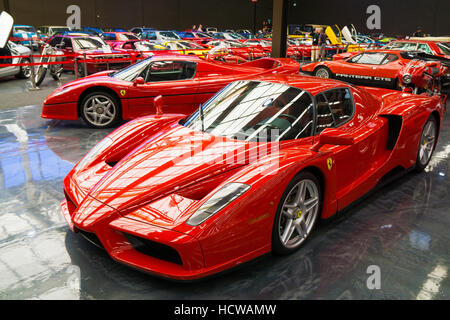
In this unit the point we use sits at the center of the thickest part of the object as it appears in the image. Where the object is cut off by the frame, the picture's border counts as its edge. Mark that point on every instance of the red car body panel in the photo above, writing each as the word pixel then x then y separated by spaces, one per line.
pixel 150 180
pixel 181 96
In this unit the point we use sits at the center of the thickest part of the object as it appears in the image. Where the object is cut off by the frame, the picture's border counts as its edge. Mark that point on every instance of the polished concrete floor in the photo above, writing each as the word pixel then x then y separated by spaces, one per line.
pixel 403 229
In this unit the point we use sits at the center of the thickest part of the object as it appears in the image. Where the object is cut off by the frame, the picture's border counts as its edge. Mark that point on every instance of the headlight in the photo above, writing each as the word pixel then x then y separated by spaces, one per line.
pixel 217 202
pixel 95 151
pixel 407 78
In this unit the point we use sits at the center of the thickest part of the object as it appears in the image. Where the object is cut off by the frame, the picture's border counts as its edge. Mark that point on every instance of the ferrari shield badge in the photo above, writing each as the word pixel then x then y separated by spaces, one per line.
pixel 123 93
pixel 330 163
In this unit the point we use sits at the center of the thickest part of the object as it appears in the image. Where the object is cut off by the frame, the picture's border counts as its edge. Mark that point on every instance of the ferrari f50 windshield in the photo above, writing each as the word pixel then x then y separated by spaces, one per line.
pixel 256 111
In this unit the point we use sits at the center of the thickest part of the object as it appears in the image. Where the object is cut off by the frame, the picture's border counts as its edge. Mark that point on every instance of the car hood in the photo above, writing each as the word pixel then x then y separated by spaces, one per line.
pixel 6 24
pixel 164 165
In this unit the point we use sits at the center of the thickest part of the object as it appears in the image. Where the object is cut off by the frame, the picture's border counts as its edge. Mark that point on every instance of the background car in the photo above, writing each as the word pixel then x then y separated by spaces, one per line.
pixel 435 48
pixel 104 99
pixel 113 38
pixel 15 50
pixel 45 32
pixel 77 47
pixel 160 35
pixel 26 36
pixel 199 37
pixel 140 30
pixel 370 67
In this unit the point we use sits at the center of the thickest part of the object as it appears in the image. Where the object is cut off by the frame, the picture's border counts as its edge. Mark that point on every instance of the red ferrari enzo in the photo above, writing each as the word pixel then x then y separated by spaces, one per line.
pixel 102 99
pixel 250 172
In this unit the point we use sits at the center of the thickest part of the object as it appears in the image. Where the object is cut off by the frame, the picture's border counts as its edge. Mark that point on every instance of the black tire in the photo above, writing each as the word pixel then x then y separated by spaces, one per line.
pixel 277 245
pixel 88 116
pixel 80 70
pixel 40 75
pixel 323 72
pixel 25 71
pixel 421 163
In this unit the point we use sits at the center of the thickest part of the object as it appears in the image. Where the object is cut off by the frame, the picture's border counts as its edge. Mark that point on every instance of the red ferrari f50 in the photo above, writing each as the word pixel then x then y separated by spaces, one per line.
pixel 250 172
pixel 105 98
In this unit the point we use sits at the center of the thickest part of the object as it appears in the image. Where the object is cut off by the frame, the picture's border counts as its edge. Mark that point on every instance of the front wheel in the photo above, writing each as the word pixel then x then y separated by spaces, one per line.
pixel 100 110
pixel 40 72
pixel 297 213
pixel 427 143
pixel 322 72
pixel 25 71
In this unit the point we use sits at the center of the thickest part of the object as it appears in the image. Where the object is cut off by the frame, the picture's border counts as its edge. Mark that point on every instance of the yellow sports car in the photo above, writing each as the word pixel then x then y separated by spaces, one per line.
pixel 186 47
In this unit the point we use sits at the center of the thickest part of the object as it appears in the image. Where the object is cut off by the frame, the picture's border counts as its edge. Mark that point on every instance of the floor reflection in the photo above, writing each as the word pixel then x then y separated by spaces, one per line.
pixel 402 228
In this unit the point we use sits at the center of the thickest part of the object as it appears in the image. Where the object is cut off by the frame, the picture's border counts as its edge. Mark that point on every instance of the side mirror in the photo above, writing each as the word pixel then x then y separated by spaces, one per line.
pixel 158 103
pixel 138 81
pixel 334 137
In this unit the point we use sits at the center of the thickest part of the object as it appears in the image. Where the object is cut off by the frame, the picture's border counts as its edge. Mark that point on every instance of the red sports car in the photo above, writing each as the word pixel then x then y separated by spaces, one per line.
pixel 371 67
pixel 102 99
pixel 114 38
pixel 250 172
pixel 79 47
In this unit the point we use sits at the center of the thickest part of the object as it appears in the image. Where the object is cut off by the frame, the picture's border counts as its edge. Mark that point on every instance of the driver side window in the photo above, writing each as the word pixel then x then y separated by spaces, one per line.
pixel 334 108
pixel 170 71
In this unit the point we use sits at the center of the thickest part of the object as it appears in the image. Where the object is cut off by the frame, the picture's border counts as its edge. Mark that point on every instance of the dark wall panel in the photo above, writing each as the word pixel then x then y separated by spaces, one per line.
pixel 398 16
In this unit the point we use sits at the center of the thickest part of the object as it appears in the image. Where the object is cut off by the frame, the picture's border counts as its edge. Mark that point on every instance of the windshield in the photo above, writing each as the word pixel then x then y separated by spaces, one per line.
pixel 189 45
pixel 56 30
pixel 90 43
pixel 169 35
pixel 126 36
pixel 132 72
pixel 444 47
pixel 256 111
pixel 236 36
pixel 24 29
pixel 203 35
pixel 235 44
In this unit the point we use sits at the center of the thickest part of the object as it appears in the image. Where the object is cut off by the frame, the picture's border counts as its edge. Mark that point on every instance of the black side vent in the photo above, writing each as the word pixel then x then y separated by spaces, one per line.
pixel 154 249
pixel 111 163
pixel 395 125
pixel 91 237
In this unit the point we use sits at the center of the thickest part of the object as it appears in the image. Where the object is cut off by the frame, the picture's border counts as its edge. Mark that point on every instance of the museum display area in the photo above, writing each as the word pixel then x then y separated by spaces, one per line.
pixel 224 150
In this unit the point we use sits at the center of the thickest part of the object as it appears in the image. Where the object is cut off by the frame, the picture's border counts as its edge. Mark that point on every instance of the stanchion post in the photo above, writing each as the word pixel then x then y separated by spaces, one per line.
pixel 75 66
pixel 33 75
pixel 85 65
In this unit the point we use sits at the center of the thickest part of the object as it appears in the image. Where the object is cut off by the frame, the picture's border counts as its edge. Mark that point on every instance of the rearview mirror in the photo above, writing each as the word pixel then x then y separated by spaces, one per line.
pixel 334 137
pixel 139 80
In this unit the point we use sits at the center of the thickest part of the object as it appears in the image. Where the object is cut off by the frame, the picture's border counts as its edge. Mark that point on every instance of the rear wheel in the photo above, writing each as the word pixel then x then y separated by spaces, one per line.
pixel 297 213
pixel 322 72
pixel 100 110
pixel 427 143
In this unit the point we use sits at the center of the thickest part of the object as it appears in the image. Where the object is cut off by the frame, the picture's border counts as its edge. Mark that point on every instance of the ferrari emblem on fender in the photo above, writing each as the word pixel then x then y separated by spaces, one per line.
pixel 123 93
pixel 330 163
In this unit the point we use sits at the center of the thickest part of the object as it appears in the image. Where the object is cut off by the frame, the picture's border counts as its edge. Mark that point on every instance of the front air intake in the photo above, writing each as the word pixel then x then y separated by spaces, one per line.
pixel 154 249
